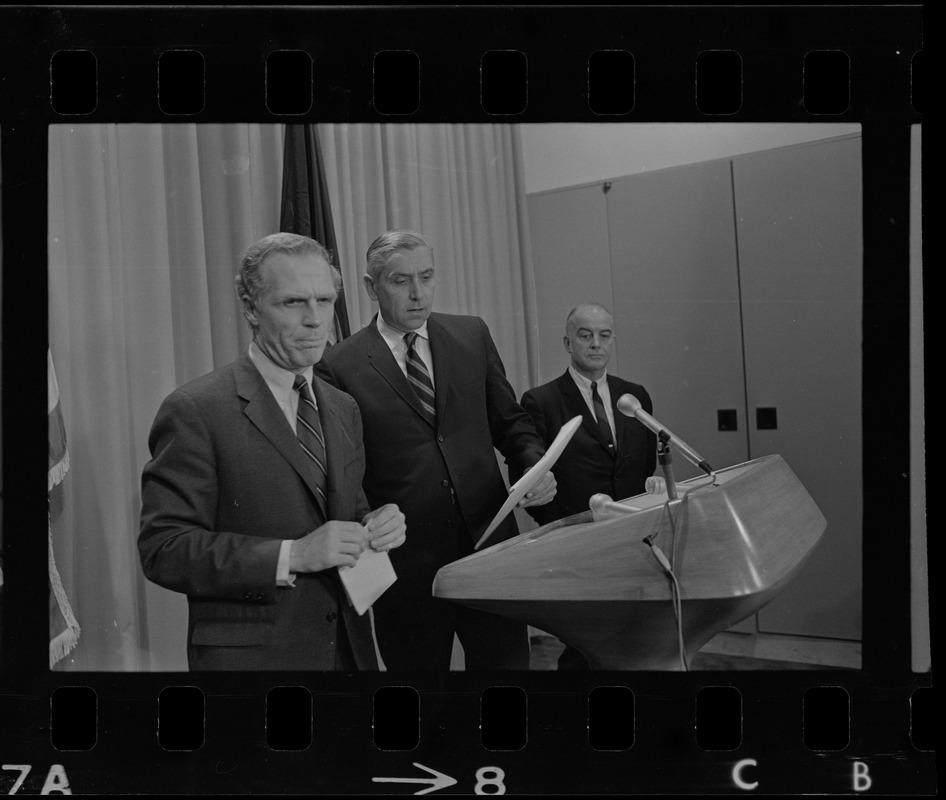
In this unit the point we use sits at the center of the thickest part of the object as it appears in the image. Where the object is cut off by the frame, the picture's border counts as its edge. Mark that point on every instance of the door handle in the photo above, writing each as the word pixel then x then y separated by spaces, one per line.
pixel 766 419
pixel 726 419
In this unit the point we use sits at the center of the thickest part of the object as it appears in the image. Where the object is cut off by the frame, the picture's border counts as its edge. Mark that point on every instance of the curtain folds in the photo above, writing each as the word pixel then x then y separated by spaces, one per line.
pixel 146 227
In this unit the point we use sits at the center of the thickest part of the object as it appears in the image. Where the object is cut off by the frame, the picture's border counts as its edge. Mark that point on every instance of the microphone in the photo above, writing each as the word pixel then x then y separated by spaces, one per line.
pixel 601 504
pixel 655 485
pixel 630 406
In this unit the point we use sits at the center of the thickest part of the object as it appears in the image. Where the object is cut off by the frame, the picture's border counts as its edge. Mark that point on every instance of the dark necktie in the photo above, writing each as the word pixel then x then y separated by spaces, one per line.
pixel 419 378
pixel 309 431
pixel 602 417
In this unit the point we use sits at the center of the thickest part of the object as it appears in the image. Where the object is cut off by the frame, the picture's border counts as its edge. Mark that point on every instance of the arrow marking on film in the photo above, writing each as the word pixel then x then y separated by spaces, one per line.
pixel 439 781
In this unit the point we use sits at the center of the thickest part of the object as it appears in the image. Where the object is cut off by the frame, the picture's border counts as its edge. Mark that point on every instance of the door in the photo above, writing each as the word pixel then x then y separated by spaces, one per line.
pixel 676 294
pixel 800 259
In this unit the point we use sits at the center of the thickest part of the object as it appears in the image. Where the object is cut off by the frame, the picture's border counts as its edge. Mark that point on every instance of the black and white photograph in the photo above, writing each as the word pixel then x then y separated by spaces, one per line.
pixel 488 400
pixel 698 269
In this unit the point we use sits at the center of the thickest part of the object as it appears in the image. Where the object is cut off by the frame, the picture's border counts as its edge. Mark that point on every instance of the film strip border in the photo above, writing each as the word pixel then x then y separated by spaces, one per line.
pixel 213 736
pixel 824 732
pixel 504 64
pixel 718 83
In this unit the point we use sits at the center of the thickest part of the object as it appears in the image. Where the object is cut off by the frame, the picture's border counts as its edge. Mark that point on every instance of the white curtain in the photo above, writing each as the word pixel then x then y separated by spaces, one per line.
pixel 146 226
pixel 463 187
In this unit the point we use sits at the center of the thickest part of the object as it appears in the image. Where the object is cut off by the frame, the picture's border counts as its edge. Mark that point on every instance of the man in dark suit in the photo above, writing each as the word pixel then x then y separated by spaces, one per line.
pixel 253 499
pixel 609 453
pixel 435 402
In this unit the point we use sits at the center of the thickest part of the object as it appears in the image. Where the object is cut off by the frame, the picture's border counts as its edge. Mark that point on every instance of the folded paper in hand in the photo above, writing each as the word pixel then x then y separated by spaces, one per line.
pixel 365 582
pixel 533 476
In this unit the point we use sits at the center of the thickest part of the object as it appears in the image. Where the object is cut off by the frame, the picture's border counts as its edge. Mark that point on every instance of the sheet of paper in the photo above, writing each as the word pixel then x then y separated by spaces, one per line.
pixel 522 487
pixel 365 582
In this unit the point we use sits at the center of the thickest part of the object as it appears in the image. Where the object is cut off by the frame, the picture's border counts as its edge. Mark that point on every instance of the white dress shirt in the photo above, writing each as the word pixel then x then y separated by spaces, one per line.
pixel 395 340
pixel 280 382
pixel 584 386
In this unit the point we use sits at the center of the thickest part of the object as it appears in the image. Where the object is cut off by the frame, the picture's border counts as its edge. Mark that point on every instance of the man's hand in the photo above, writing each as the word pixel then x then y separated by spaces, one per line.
pixel 334 544
pixel 541 493
pixel 386 528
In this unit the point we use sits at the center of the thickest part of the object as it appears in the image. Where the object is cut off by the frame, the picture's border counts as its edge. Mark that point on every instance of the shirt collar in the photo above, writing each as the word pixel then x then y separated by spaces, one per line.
pixel 585 383
pixel 279 379
pixel 394 336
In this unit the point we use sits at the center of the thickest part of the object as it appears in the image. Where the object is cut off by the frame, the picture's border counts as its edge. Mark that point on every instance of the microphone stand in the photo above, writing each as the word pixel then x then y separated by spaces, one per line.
pixel 666 464
pixel 665 459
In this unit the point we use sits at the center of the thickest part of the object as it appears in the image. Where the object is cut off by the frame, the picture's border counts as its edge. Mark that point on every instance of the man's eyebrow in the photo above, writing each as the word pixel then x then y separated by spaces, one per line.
pixel 294 295
pixel 403 274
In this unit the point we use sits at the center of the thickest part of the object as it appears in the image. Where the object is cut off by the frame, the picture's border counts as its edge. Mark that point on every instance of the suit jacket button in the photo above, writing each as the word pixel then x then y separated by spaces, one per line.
pixel 445 483
pixel 248 595
pixel 330 617
pixel 440 438
pixel 260 596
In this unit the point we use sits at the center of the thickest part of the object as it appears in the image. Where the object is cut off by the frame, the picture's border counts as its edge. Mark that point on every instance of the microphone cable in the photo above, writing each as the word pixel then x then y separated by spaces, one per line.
pixel 666 564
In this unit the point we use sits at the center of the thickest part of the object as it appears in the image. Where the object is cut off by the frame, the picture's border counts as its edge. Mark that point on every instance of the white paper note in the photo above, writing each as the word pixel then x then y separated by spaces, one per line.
pixel 533 476
pixel 365 582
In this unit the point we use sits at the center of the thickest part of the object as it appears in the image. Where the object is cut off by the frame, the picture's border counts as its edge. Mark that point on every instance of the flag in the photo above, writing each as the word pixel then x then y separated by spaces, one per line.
pixel 306 208
pixel 63 627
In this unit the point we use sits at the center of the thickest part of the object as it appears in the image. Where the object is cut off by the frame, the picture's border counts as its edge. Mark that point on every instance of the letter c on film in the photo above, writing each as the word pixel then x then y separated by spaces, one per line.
pixel 737 774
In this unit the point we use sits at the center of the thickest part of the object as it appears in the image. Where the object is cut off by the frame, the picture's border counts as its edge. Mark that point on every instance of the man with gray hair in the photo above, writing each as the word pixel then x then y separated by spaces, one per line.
pixel 435 402
pixel 609 453
pixel 252 499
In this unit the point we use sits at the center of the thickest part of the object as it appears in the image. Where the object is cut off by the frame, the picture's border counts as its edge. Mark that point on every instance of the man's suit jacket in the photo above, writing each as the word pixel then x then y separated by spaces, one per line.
pixel 226 483
pixel 433 473
pixel 585 467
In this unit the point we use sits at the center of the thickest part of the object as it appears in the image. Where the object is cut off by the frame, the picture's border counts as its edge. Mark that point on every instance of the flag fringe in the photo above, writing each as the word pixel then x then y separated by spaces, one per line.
pixel 63 643
pixel 58 471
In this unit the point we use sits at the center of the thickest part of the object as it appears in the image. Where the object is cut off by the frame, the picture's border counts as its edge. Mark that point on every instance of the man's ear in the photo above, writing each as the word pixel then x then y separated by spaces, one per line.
pixel 568 345
pixel 369 287
pixel 249 311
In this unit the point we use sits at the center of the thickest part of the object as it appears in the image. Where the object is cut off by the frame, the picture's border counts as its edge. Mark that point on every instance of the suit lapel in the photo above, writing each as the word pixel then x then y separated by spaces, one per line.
pixel 263 411
pixel 333 429
pixel 382 359
pixel 440 347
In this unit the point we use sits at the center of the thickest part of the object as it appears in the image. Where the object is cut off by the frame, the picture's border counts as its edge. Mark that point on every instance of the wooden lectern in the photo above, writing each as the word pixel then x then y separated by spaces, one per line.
pixel 593 581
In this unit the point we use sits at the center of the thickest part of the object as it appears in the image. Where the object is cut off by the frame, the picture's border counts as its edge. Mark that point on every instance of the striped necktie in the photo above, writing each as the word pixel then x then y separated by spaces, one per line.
pixel 419 378
pixel 602 417
pixel 309 431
